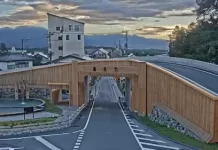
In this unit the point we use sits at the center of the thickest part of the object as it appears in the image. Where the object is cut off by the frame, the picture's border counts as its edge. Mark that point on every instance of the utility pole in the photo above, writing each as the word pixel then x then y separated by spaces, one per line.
pixel 126 38
pixel 49 46
pixel 22 41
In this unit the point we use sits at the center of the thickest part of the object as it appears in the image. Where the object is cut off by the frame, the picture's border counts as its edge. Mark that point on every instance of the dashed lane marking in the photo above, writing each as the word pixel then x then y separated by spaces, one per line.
pixel 46 143
pixel 78 142
pixel 82 132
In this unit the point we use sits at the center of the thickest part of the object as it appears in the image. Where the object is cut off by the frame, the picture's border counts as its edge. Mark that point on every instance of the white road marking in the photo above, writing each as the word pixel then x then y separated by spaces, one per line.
pixel 10 148
pixel 144 134
pixel 148 149
pixel 138 130
pixel 80 137
pixel 159 141
pixel 134 126
pixel 148 135
pixel 131 129
pixel 46 143
pixel 162 146
pixel 76 147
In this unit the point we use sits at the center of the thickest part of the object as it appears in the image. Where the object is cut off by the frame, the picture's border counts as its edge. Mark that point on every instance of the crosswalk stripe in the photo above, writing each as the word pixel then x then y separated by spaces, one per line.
pixel 152 140
pixel 138 130
pixel 46 143
pixel 144 134
pixel 148 149
pixel 162 146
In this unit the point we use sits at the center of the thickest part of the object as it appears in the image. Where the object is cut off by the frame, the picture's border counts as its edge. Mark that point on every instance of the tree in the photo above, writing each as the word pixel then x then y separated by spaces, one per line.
pixel 208 11
pixel 3 49
pixel 37 60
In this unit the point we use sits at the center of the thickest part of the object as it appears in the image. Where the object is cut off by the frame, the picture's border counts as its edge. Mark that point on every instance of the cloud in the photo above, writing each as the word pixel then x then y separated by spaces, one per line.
pixel 93 11
pixel 154 30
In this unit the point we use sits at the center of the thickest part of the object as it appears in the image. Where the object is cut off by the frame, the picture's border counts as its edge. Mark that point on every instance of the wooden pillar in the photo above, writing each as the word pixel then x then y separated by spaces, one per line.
pixel 135 96
pixel 142 88
pixel 55 96
pixel 81 90
pixel 27 92
pixel 16 91
pixel 73 87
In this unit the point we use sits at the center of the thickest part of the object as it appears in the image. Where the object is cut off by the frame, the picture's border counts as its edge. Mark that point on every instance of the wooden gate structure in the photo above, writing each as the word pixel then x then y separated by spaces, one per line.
pixel 193 107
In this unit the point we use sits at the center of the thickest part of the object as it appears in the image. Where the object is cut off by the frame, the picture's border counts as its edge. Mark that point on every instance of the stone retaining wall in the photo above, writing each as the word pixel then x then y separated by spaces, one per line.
pixel 34 93
pixel 162 118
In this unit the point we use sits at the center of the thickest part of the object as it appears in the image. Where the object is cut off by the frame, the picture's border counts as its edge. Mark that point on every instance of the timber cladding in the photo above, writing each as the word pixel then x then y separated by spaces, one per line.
pixel 151 86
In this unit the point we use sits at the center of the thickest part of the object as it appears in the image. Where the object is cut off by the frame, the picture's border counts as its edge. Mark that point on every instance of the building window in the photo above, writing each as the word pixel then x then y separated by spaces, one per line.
pixel 60 38
pixel 67 37
pixel 60 48
pixel 70 27
pixel 11 67
pixel 58 28
pixel 76 28
pixel 21 64
pixel 79 37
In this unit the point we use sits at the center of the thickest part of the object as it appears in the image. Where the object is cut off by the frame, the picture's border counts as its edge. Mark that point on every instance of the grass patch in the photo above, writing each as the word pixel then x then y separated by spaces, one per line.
pixel 25 122
pixel 49 107
pixel 177 136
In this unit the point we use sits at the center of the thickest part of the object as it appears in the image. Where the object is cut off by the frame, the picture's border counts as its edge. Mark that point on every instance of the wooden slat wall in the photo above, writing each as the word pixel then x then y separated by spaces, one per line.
pixel 40 76
pixel 186 99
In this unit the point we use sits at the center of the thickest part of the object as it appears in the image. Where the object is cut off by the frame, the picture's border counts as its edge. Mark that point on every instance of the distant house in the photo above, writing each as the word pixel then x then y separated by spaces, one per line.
pixel 131 55
pixel 69 58
pixel 44 57
pixel 15 61
pixel 99 54
pixel 13 50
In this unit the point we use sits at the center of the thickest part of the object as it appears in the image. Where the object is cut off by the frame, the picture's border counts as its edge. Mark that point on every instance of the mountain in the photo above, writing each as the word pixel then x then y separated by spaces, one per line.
pixel 37 39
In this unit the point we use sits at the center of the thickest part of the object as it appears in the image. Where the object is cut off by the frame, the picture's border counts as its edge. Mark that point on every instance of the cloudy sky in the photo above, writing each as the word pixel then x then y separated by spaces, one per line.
pixel 147 18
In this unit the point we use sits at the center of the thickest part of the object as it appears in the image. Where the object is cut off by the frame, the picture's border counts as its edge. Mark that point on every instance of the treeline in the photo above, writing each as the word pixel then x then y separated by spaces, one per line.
pixel 147 52
pixel 200 39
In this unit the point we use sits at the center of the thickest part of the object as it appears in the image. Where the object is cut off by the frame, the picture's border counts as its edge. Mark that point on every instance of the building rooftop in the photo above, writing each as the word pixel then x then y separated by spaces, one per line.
pixel 66 18
pixel 15 57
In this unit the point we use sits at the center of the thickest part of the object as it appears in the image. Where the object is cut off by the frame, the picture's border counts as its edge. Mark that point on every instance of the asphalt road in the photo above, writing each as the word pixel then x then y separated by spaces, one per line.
pixel 206 79
pixel 101 126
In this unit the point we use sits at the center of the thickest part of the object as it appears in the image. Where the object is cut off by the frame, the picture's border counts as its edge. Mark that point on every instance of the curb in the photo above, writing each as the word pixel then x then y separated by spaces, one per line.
pixel 49 124
pixel 193 148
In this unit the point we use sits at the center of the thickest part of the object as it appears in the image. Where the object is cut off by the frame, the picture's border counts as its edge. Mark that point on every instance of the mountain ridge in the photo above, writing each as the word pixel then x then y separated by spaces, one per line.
pixel 37 39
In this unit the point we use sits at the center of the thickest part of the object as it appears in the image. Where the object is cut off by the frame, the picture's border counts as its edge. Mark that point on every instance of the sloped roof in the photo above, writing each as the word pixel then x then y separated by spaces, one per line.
pixel 15 57
pixel 66 18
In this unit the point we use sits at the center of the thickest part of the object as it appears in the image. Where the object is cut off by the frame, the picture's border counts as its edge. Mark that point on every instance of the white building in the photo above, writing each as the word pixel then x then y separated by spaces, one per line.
pixel 15 61
pixel 66 36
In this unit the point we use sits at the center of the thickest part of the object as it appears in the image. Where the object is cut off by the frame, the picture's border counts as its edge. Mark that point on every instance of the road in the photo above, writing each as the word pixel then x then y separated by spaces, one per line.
pixel 102 126
pixel 206 79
